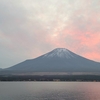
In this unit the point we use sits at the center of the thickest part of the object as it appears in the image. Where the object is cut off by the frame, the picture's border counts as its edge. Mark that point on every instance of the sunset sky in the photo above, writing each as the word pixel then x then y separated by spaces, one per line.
pixel 30 28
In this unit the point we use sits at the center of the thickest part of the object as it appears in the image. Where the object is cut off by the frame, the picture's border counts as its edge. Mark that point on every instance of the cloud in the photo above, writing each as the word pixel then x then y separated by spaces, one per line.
pixel 34 27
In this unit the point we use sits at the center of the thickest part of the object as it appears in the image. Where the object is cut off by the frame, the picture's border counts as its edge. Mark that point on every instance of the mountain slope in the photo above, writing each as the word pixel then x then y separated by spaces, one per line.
pixel 0 68
pixel 58 60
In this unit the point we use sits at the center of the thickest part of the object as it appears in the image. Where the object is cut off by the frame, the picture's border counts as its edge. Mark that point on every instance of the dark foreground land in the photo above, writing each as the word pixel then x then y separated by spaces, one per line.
pixel 50 78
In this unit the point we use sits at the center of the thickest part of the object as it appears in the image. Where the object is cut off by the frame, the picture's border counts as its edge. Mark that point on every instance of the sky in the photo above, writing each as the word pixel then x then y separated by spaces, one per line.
pixel 30 28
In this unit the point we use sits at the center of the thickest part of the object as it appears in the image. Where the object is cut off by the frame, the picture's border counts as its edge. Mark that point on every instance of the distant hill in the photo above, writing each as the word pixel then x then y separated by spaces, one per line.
pixel 58 60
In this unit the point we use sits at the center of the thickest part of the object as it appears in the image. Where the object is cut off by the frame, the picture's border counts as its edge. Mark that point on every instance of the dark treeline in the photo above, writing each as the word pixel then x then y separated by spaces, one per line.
pixel 51 78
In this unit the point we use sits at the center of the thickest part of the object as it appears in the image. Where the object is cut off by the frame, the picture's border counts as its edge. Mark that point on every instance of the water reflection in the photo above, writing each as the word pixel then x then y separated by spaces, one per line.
pixel 49 91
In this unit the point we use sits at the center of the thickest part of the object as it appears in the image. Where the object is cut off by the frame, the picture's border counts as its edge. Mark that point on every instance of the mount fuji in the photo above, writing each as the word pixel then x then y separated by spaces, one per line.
pixel 58 60
pixel 0 68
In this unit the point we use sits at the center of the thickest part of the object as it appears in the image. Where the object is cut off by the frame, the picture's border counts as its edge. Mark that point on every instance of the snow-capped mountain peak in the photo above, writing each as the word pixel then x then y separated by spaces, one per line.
pixel 58 60
pixel 59 52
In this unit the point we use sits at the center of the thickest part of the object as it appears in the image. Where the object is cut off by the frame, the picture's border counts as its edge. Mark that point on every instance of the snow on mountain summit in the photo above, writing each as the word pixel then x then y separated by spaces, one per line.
pixel 58 60
pixel 59 52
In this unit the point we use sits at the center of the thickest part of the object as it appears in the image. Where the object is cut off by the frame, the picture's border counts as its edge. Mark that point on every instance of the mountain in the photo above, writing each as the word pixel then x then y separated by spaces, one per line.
pixel 0 68
pixel 58 60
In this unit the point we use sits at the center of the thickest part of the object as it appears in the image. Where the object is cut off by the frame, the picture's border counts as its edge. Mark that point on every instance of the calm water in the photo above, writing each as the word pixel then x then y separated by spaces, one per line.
pixel 49 91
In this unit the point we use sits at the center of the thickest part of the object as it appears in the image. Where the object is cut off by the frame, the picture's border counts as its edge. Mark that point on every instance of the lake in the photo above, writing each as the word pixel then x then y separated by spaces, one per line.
pixel 49 91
